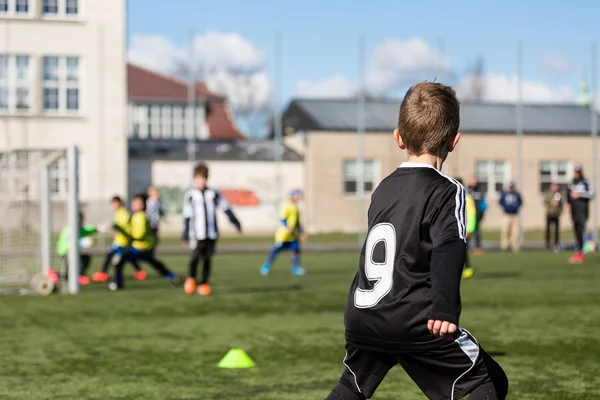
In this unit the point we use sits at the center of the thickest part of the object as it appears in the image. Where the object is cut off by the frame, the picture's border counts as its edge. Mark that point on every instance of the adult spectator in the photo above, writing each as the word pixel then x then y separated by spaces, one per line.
pixel 476 190
pixel 553 201
pixel 580 192
pixel 511 202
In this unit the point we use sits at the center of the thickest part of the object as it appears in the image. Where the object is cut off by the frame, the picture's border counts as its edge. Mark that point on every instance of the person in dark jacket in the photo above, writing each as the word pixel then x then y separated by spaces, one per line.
pixel 580 192
pixel 511 202
pixel 553 201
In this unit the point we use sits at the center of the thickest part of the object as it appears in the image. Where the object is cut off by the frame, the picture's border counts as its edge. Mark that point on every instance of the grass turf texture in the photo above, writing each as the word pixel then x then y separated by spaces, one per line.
pixel 539 315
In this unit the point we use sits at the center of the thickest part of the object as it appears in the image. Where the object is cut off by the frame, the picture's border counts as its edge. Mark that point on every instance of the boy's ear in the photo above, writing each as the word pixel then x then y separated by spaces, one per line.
pixel 398 139
pixel 452 144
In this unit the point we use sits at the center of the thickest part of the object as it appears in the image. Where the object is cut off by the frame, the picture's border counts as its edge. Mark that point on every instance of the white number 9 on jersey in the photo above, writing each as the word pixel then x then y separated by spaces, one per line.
pixel 381 273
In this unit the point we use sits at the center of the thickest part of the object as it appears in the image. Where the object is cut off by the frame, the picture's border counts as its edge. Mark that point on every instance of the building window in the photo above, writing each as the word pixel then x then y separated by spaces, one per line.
pixel 178 122
pixel 154 131
pixel 60 8
pixel 555 172
pixel 351 175
pixel 16 8
pixel 15 83
pixel 72 7
pixel 22 6
pixel 167 122
pixel 493 175
pixel 61 84
pixel 58 178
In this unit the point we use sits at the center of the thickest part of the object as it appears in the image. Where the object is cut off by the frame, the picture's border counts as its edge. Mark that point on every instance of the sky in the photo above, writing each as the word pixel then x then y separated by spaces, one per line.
pixel 265 52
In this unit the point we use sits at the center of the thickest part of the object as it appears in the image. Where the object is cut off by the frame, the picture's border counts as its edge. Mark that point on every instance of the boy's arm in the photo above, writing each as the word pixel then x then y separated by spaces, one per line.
pixel 448 236
pixel 221 202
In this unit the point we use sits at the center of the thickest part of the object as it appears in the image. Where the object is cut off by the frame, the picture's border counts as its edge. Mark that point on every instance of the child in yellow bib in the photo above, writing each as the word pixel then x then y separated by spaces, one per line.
pixel 288 235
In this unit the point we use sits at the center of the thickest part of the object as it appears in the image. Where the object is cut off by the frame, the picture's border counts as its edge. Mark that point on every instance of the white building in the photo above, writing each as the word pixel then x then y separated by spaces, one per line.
pixel 63 82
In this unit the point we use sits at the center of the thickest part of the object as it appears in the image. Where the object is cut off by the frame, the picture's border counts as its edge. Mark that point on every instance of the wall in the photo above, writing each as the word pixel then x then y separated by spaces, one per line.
pixel 250 186
pixel 328 209
pixel 100 128
pixel 536 149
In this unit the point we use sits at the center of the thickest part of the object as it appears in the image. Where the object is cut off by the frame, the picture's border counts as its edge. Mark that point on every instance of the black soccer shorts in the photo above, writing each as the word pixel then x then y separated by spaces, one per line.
pixel 203 248
pixel 448 372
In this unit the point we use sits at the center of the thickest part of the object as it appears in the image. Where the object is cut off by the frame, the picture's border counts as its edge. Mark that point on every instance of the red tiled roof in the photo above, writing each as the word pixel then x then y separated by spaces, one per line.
pixel 221 122
pixel 146 85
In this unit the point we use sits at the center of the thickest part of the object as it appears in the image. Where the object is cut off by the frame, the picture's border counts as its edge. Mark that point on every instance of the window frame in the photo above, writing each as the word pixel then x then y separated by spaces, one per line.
pixel 554 175
pixel 374 182
pixel 61 11
pixel 490 172
pixel 12 10
pixel 63 85
pixel 12 84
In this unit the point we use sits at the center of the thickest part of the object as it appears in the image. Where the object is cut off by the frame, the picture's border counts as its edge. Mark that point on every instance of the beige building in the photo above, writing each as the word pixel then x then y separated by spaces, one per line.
pixel 324 131
pixel 62 83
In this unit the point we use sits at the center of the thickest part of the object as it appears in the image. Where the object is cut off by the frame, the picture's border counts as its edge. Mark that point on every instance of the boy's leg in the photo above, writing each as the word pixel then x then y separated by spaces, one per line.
pixel 295 258
pixel 557 232
pixel 86 259
pixel 149 257
pixel 455 370
pixel 363 373
pixel 209 251
pixel 275 250
pixel 196 249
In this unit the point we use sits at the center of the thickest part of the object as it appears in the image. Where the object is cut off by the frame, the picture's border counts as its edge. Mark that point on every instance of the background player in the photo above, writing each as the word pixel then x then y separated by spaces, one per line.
pixel 580 192
pixel 471 218
pixel 404 303
pixel 142 245
pixel 154 211
pixel 63 245
pixel 288 236
pixel 120 243
pixel 200 228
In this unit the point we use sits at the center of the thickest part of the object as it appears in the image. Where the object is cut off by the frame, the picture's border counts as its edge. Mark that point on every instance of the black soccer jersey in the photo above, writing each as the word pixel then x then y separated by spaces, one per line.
pixel 411 263
pixel 585 191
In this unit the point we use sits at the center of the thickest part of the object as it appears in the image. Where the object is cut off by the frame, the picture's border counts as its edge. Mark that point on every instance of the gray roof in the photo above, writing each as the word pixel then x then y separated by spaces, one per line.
pixel 382 115
pixel 209 150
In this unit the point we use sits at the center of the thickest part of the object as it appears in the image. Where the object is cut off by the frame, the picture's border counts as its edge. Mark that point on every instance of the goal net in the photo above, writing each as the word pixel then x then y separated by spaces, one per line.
pixel 39 197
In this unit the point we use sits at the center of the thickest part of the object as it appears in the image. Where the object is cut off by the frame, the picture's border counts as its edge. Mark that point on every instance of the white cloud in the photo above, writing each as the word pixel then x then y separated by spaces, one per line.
pixel 397 63
pixel 336 86
pixel 393 64
pixel 227 62
pixel 503 88
pixel 555 64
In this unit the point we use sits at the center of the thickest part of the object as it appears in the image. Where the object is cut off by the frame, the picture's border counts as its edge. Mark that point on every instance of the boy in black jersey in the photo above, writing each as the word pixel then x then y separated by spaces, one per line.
pixel 404 303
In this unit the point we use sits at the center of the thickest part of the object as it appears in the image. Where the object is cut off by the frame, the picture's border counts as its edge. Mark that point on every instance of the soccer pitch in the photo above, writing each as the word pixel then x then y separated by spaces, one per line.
pixel 539 317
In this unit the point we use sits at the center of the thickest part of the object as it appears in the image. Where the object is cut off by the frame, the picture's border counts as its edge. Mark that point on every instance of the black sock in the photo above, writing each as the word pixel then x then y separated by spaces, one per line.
pixel 106 262
pixel 136 266
pixel 193 268
pixel 206 267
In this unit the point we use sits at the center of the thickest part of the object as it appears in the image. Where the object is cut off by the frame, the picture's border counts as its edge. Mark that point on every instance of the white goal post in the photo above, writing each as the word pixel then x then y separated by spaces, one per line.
pixel 39 197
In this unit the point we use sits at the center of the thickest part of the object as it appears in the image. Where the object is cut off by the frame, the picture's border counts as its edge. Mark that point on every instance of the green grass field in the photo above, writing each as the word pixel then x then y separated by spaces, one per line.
pixel 539 315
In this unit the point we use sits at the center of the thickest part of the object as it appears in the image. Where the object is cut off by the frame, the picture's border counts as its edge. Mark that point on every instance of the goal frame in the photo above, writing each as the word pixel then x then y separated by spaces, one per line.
pixel 46 228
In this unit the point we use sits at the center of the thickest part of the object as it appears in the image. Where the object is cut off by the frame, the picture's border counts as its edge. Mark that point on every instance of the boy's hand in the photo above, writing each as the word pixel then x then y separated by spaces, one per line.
pixel 185 243
pixel 303 237
pixel 441 328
